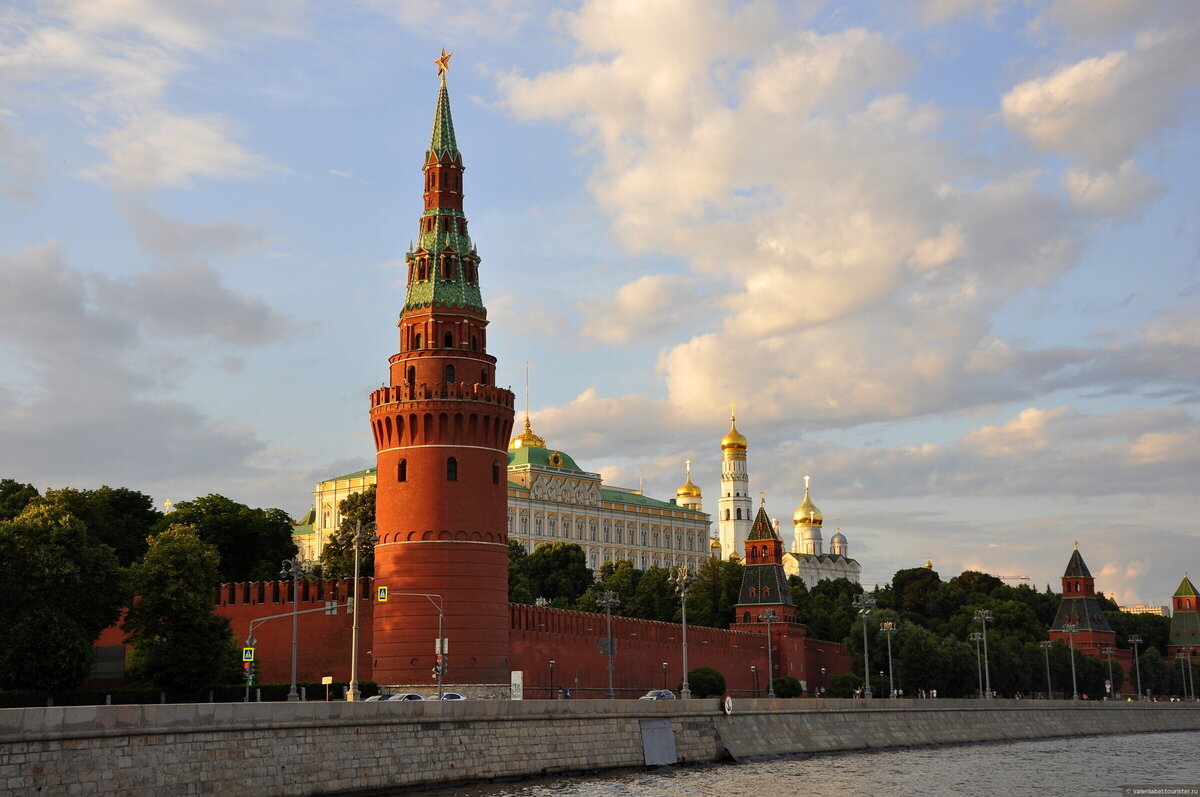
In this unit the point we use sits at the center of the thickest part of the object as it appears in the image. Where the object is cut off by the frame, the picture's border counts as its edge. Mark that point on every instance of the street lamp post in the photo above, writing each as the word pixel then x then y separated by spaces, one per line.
pixel 683 581
pixel 1190 653
pixel 357 538
pixel 664 675
pixel 1070 629
pixel 889 628
pixel 754 680
pixel 1135 640
pixel 864 602
pixel 297 570
pixel 769 617
pixel 609 600
pixel 1108 650
pixel 983 615
pixel 1179 657
pixel 977 637
pixel 822 682
pixel 1046 645
pixel 552 695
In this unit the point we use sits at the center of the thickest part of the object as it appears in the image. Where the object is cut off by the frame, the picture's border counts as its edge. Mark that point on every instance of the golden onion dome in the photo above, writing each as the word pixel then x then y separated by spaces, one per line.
pixel 688 489
pixel 807 513
pixel 735 439
pixel 928 564
pixel 715 545
pixel 733 557
pixel 527 439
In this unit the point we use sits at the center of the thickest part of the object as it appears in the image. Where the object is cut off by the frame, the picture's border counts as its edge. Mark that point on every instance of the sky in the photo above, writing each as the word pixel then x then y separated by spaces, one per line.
pixel 944 255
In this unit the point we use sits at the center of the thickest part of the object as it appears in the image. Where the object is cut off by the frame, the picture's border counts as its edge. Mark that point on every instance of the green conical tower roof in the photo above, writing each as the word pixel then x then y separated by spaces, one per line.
pixel 1077 568
pixel 1186 590
pixel 762 528
pixel 442 141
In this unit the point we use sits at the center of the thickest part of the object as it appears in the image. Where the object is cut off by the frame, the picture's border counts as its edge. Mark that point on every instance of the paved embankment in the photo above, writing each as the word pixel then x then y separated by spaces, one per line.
pixel 314 748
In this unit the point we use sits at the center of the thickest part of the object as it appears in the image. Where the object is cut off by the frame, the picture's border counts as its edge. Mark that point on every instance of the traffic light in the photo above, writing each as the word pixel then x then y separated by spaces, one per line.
pixel 246 670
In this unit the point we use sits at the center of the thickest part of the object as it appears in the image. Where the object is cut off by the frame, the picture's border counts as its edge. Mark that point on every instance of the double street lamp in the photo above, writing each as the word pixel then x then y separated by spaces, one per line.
pixel 769 617
pixel 982 616
pixel 889 628
pixel 977 637
pixel 609 600
pixel 1108 651
pixel 361 532
pixel 295 569
pixel 1135 640
pixel 864 603
pixel 1071 629
pixel 683 581
pixel 1046 645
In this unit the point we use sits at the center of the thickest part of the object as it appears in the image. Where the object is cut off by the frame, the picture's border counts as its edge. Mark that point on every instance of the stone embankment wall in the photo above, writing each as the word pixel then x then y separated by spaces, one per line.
pixel 318 748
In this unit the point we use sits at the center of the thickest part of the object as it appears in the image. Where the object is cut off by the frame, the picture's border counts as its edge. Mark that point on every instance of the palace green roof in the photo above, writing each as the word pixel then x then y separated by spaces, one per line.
pixel 540 457
pixel 358 474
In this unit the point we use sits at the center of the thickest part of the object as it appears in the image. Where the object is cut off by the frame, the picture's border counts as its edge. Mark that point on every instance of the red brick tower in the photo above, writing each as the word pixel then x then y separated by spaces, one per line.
pixel 441 430
pixel 1081 609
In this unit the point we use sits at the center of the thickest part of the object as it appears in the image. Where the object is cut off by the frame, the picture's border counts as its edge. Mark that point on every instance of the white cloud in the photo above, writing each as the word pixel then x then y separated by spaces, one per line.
pixel 643 310
pixel 173 240
pixel 165 150
pixel 1120 192
pixel 1102 109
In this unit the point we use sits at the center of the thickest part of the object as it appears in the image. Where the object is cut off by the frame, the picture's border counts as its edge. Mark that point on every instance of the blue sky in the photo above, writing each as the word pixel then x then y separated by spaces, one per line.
pixel 943 254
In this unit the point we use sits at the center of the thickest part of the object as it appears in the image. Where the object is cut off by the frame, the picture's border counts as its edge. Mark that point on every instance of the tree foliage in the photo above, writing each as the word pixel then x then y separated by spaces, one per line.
pixel 337 557
pixel 714 593
pixel 178 641
pixel 61 588
pixel 251 543
pixel 558 571
pixel 13 497
pixel 787 686
pixel 118 517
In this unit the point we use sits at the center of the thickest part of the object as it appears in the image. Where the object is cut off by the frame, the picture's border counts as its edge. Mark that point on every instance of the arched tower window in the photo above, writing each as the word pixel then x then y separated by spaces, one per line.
pixel 745 617
pixel 474 343
pixel 452 469
pixel 739 513
pixel 449 373
pixel 417 344
pixel 483 377
pixel 402 471
pixel 727 514
pixel 412 372
pixel 495 473
pixel 449 340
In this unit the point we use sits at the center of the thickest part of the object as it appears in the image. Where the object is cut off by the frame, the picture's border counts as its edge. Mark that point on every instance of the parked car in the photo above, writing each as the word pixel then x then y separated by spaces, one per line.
pixel 375 697
pixel 658 694
pixel 453 696
pixel 406 696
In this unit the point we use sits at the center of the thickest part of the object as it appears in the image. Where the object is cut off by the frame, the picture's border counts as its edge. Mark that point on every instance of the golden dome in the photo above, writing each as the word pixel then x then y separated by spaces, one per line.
pixel 807 512
pixel 735 439
pixel 928 564
pixel 527 439
pixel 715 545
pixel 733 557
pixel 687 489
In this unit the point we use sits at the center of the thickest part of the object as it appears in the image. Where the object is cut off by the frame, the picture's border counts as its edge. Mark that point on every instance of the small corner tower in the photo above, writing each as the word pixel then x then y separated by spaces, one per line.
pixel 1079 613
pixel 1185 619
pixel 734 507
pixel 764 584
pixel 441 427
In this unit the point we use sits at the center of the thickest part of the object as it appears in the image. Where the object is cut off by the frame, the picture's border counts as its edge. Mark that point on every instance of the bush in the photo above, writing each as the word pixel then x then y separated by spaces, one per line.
pixel 787 686
pixel 844 685
pixel 706 682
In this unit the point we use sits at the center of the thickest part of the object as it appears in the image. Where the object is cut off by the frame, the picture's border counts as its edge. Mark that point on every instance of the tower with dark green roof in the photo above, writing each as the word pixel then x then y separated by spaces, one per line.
pixel 441 427
pixel 1185 619
pixel 1079 613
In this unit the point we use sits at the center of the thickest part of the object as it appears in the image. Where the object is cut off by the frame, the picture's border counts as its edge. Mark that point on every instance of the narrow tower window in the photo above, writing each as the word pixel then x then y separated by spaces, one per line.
pixel 418 341
pixel 449 373
pixel 495 473
pixel 739 513
pixel 483 377
pixel 449 339
pixel 452 469
pixel 474 343
pixel 402 471
pixel 412 372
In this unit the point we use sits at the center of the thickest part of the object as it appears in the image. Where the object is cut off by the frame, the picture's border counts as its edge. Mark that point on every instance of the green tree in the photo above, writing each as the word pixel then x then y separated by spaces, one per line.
pixel 118 517
pixel 559 572
pixel 844 685
pixel 337 557
pixel 520 588
pixel 618 577
pixel 179 643
pixel 251 543
pixel 60 589
pixel 655 598
pixel 715 592
pixel 912 588
pixel 13 497
pixel 706 682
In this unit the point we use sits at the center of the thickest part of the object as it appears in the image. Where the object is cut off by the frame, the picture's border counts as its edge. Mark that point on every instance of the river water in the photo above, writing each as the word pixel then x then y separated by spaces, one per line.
pixel 1074 766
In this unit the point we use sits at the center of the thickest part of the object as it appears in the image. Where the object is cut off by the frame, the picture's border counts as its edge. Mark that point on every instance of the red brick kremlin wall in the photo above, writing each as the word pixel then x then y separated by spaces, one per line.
pixel 537 636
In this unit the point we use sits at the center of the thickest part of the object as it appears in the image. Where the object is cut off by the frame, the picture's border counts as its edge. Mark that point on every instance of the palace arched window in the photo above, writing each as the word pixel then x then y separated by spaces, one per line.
pixel 452 469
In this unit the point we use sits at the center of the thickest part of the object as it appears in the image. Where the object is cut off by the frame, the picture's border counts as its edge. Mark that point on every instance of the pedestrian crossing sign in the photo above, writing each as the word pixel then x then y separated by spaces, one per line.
pixel 247 654
pixel 383 594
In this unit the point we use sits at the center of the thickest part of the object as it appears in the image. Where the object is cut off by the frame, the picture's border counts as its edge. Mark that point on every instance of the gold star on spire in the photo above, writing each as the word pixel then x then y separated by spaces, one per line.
pixel 443 64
